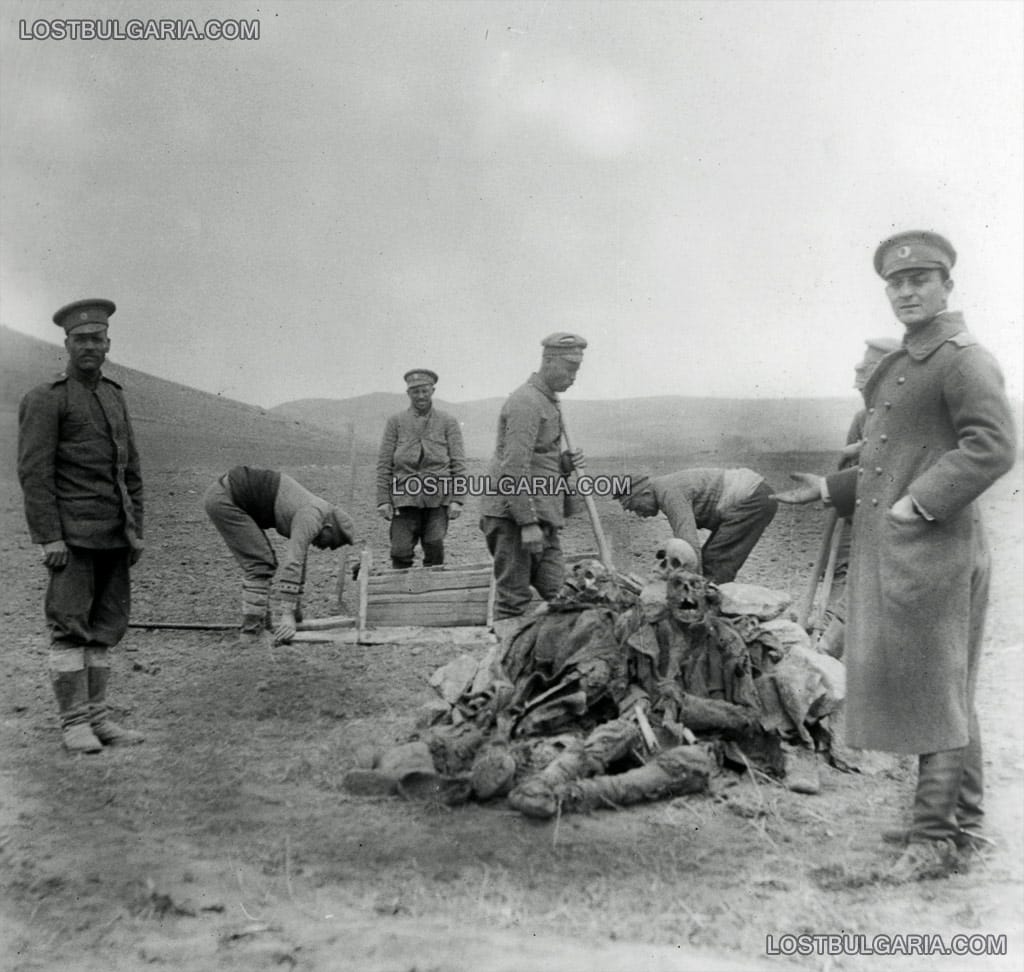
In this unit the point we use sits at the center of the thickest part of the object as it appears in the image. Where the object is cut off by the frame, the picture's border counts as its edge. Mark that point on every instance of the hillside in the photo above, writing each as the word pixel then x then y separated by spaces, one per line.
pixel 176 426
pixel 671 424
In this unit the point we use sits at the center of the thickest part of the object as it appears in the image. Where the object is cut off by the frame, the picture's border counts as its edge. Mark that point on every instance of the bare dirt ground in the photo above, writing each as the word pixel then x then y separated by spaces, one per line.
pixel 228 842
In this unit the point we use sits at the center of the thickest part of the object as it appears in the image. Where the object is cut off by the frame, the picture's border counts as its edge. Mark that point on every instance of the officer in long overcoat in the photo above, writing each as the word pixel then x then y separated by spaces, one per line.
pixel 937 434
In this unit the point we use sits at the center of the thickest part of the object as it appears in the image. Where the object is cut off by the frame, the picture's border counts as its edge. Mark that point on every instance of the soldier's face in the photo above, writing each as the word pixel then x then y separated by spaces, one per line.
pixel 917 295
pixel 420 396
pixel 642 503
pixel 327 538
pixel 87 350
pixel 560 372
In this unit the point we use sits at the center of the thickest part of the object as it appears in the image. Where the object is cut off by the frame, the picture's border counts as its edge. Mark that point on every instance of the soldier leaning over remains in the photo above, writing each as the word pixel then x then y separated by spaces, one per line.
pixel 242 504
pixel 80 473
pixel 420 444
pixel 522 530
pixel 736 505
pixel 938 433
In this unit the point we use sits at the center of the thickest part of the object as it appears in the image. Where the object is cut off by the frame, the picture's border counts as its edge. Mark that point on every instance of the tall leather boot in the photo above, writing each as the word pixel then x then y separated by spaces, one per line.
pixel 106 731
pixel 72 692
pixel 931 841
pixel 969 813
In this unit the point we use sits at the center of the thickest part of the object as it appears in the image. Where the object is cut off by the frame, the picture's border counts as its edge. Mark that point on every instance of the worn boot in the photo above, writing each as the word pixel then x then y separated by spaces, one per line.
pixel 970 816
pixel 931 839
pixel 107 732
pixel 801 770
pixel 72 692
pixel 254 631
pixel 256 614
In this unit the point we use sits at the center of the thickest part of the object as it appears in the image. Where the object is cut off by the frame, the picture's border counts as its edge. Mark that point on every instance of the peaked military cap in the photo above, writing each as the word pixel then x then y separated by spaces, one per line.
pixel 420 376
pixel 88 315
pixel 563 343
pixel 914 250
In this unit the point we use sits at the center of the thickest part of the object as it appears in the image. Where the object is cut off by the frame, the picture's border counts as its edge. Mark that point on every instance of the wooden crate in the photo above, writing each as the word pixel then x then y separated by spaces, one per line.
pixel 431 597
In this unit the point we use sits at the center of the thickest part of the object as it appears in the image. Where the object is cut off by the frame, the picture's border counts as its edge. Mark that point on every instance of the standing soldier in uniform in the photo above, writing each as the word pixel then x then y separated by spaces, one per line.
pixel 79 471
pixel 522 526
pixel 420 446
pixel 938 433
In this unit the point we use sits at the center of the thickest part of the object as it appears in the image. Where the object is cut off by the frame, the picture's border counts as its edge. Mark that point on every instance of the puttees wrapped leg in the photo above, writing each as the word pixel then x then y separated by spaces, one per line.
pixel 538 795
pixel 675 772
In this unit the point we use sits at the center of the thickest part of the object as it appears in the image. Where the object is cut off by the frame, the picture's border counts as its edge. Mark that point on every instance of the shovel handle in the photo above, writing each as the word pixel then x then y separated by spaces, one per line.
pixel 603 550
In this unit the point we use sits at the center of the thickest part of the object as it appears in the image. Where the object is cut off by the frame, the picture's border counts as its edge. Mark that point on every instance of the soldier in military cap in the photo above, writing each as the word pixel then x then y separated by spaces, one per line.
pixel 421 451
pixel 80 474
pixel 938 432
pixel 522 528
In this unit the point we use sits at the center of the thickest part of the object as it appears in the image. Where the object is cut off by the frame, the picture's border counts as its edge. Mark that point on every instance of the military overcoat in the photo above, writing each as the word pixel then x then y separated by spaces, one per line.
pixel 939 428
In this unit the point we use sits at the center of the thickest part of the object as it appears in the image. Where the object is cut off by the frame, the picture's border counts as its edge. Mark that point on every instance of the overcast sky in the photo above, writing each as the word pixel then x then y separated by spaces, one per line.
pixel 697 188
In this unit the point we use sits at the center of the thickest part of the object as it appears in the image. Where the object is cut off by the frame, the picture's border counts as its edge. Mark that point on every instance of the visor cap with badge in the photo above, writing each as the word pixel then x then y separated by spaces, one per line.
pixel 914 250
pixel 87 316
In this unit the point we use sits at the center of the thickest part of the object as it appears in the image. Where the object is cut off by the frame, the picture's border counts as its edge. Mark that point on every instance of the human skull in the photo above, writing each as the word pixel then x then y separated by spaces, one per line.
pixel 676 554
pixel 588 575
pixel 689 596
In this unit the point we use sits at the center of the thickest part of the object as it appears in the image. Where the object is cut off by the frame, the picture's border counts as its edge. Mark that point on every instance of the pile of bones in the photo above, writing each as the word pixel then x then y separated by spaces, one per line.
pixel 623 690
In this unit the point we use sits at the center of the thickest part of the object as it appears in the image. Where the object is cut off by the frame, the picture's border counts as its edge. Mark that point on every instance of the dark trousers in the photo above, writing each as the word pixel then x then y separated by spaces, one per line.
pixel 516 569
pixel 727 548
pixel 89 599
pixel 417 524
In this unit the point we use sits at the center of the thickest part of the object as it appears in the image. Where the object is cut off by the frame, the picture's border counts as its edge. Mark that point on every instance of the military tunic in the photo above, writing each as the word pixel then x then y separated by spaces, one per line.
pixel 80 473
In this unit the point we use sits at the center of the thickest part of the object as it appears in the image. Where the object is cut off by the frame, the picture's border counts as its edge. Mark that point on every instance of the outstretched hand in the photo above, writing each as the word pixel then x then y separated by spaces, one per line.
pixel 810 489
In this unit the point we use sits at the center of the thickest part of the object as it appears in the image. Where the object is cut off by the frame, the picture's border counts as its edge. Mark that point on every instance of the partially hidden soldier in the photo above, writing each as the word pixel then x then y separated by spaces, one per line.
pixel 245 502
pixel 734 505
pixel 420 462
pixel 522 524
pixel 938 433
pixel 81 477
pixel 831 641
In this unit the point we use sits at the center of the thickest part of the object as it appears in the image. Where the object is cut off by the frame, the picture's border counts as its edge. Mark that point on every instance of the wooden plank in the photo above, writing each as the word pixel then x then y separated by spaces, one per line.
pixel 415 582
pixel 427 615
pixel 328 623
pixel 365 562
pixel 478 596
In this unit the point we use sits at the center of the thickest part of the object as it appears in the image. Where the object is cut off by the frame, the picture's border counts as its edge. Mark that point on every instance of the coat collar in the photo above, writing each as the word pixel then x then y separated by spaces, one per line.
pixel 542 386
pixel 925 340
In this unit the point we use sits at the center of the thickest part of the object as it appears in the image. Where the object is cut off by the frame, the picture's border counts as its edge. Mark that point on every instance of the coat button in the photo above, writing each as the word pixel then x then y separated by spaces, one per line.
pixel 884 438
pixel 874 502
pixel 900 380
pixel 857 503
pixel 888 404
pixel 871 411
pixel 878 470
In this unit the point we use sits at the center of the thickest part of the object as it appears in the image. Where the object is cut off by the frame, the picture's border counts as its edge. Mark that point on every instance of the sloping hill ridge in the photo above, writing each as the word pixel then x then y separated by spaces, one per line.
pixel 176 426
pixel 680 426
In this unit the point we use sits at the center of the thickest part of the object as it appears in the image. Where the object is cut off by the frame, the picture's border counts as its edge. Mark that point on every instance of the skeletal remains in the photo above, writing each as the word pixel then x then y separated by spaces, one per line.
pixel 610 698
